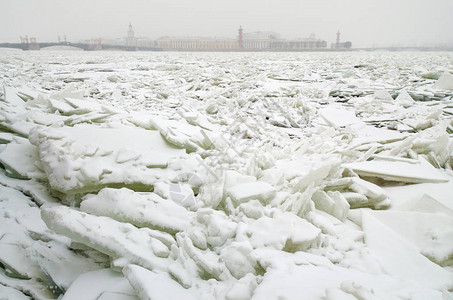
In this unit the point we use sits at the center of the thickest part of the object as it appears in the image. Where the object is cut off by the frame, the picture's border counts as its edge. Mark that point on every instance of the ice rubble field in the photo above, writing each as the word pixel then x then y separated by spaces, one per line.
pixel 226 175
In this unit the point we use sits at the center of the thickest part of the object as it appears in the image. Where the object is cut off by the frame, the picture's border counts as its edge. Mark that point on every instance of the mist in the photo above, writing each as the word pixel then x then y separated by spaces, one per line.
pixel 371 23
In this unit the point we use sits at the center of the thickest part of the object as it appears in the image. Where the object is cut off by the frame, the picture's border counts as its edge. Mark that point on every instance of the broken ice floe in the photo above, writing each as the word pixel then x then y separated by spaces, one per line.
pixel 189 178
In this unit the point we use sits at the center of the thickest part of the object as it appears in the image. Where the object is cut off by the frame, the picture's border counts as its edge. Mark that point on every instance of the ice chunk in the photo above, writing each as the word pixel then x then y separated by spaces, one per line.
pixel 15 260
pixel 404 99
pixel 6 137
pixel 36 288
pixel 252 209
pixel 338 117
pixel 11 96
pixel 445 82
pixel 61 106
pixel 69 91
pixel 19 126
pixel 259 190
pixel 299 203
pixel 182 134
pixel 367 134
pixel 86 158
pixel 304 170
pixel 239 259
pixel 84 105
pixel 37 191
pixel 398 171
pixel 60 263
pixel 20 217
pixel 315 277
pixel 206 261
pixel 233 178
pixel 10 293
pixel 382 95
pixel 358 192
pixel 182 193
pixel 242 289
pixel 333 203
pixel 140 209
pixel 118 240
pixel 20 158
pixel 401 259
pixel 107 282
pixel 426 204
pixel 286 232
pixel 216 225
pixel 150 285
pixel 431 234
pixel 408 193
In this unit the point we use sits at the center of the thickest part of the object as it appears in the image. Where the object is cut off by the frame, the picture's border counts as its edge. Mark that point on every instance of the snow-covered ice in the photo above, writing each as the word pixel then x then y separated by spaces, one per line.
pixel 129 175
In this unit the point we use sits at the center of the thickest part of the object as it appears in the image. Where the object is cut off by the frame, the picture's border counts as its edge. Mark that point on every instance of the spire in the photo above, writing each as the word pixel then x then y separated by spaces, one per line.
pixel 240 39
pixel 130 32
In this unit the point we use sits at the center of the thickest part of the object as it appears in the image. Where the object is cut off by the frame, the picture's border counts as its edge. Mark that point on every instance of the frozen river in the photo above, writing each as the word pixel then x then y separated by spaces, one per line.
pixel 171 175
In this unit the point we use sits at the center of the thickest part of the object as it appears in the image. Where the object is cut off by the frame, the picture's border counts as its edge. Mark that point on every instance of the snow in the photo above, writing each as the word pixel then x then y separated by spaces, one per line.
pixel 130 175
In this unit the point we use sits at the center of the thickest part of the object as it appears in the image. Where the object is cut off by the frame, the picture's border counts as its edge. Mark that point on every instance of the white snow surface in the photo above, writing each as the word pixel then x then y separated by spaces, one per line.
pixel 226 175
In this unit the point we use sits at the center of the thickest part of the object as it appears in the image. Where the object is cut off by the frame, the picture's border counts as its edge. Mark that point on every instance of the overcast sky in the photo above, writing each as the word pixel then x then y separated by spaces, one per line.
pixel 363 22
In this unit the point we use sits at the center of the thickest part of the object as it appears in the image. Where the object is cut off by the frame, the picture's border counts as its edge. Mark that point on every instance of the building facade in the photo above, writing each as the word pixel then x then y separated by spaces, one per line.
pixel 254 41
pixel 188 43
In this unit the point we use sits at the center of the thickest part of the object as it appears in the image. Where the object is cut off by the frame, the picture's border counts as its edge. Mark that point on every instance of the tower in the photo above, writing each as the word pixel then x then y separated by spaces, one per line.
pixel 241 43
pixel 130 40
pixel 338 39
pixel 130 33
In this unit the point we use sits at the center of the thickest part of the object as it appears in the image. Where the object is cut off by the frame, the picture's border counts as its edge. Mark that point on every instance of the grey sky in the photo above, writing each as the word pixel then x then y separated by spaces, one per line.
pixel 363 22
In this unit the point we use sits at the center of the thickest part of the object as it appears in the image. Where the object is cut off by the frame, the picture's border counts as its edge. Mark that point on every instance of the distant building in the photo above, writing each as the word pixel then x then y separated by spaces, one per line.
pixel 146 43
pixel 196 43
pixel 345 45
pixel 131 41
pixel 259 41
pixel 338 45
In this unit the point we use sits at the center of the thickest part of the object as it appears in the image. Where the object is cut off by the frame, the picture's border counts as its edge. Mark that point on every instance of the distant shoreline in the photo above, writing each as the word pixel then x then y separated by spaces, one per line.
pixel 107 47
